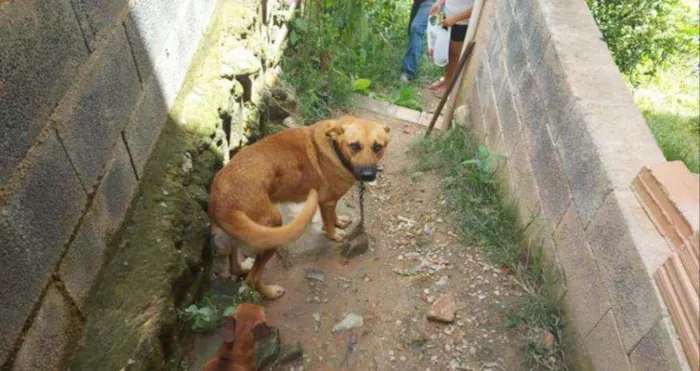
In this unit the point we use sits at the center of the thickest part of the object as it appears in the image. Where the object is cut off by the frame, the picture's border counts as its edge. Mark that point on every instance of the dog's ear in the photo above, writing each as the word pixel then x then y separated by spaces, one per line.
pixel 261 331
pixel 334 130
pixel 228 332
pixel 387 128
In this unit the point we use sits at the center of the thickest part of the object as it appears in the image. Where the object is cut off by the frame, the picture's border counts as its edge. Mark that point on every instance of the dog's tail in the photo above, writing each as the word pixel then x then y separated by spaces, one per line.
pixel 258 236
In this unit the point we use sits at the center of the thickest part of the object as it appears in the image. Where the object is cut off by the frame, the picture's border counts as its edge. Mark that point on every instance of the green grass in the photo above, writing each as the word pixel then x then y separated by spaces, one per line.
pixel 669 102
pixel 485 220
pixel 324 62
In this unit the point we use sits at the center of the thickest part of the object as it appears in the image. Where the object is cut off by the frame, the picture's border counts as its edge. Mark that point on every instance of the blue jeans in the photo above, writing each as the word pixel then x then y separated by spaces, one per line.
pixel 418 25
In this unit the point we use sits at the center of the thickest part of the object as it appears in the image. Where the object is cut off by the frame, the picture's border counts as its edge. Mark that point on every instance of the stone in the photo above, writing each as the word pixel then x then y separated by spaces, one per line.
pixel 80 267
pixel 315 274
pixel 586 299
pixel 91 119
pixel 583 167
pixel 41 49
pixel 528 202
pixel 516 57
pixel 492 122
pixel 290 353
pixel 657 351
pixel 499 75
pixel 613 237
pixel 267 349
pixel 37 221
pixel 238 61
pixel 350 321
pixel 50 336
pixel 358 246
pixel 145 126
pixel 554 91
pixel 443 309
pixel 604 347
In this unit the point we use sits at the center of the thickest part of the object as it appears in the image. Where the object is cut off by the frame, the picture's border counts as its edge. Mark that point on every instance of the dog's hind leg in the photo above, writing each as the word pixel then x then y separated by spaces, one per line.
pixel 271 292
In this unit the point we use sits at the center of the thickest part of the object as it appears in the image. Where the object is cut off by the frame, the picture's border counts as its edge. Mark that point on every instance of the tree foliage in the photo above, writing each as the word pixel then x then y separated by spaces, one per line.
pixel 645 35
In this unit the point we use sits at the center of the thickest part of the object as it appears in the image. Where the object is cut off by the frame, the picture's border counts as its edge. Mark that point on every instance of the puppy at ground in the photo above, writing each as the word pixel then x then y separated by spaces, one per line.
pixel 237 353
pixel 317 164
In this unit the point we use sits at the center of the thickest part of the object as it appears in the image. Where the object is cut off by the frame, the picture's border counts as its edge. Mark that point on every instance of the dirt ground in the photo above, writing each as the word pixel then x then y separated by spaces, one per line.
pixel 414 257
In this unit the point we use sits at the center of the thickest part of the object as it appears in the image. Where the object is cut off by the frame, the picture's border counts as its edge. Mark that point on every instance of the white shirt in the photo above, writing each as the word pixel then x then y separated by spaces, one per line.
pixel 453 7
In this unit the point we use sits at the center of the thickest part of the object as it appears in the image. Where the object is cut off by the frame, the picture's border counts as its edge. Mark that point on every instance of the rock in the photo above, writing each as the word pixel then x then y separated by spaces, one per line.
pixel 267 349
pixel 290 353
pixel 350 321
pixel 239 61
pixel 356 247
pixel 443 309
pixel 317 317
pixel 289 122
pixel 315 274
pixel 545 340
pixel 187 163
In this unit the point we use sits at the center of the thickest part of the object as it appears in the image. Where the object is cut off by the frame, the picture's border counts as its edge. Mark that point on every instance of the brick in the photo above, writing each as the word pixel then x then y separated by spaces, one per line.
pixel 100 16
pixel 510 119
pixel 51 336
pixel 586 299
pixel 499 74
pixel 41 49
pixel 145 126
pixel 87 254
pixel 573 345
pixel 613 239
pixel 495 45
pixel 491 121
pixel 476 119
pixel 551 182
pixel 524 182
pixel 516 57
pixel 583 167
pixel 92 117
pixel 535 32
pixel 505 13
pixel 554 91
pixel 36 222
pixel 155 42
pixel 483 80
pixel 604 348
pixel 657 351
pixel 623 140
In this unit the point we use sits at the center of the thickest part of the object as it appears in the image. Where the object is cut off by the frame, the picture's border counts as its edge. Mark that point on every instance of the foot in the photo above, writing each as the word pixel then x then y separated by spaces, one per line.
pixel 342 221
pixel 437 84
pixel 440 92
pixel 271 292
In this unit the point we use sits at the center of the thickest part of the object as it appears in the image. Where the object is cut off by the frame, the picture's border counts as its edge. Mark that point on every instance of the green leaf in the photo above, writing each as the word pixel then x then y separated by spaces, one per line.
pixel 362 84
pixel 228 312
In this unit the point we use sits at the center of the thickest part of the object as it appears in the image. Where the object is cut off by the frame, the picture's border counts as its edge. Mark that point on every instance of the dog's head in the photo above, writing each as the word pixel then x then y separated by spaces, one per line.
pixel 240 333
pixel 360 144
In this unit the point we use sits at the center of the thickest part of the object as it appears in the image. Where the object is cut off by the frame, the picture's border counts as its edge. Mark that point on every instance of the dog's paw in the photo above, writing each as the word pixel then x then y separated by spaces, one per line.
pixel 272 292
pixel 342 221
pixel 247 265
pixel 339 235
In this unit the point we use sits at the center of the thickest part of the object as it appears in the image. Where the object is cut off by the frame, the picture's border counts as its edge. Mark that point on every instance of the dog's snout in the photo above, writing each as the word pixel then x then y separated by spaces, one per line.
pixel 367 174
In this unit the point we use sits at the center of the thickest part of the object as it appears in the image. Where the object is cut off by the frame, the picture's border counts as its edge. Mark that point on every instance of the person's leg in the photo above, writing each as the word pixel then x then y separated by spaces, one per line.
pixel 417 32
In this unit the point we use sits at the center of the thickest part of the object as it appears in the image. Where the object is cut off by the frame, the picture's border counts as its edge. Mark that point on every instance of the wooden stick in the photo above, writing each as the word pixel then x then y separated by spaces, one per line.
pixel 453 82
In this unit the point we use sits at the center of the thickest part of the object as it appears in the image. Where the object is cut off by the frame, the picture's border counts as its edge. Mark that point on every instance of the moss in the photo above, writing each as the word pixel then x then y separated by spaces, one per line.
pixel 158 266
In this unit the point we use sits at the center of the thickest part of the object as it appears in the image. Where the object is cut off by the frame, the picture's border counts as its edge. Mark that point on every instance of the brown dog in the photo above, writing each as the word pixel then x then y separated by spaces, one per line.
pixel 318 163
pixel 237 353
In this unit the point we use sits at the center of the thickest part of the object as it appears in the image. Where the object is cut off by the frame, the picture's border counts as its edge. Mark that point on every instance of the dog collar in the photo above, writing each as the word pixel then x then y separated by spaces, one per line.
pixel 342 158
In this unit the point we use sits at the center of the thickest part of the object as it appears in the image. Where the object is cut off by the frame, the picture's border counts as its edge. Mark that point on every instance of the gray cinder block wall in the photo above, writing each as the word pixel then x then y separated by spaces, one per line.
pixel 85 88
pixel 543 89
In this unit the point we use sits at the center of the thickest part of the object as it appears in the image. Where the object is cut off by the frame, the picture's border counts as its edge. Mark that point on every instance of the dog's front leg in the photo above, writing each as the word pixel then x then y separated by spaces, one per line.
pixel 330 221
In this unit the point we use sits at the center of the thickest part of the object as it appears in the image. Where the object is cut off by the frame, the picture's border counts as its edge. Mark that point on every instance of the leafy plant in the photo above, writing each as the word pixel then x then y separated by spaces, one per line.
pixel 202 318
pixel 646 35
pixel 362 85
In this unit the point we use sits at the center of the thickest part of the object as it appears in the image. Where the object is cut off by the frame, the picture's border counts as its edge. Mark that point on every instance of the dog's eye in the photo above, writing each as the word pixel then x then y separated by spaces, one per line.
pixel 377 147
pixel 355 146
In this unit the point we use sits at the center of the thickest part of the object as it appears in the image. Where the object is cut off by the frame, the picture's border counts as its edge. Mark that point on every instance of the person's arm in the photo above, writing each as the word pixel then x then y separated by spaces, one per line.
pixel 451 21
pixel 435 9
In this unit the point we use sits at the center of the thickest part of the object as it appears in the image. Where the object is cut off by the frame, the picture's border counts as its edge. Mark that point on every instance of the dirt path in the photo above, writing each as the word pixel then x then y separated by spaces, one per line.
pixel 392 285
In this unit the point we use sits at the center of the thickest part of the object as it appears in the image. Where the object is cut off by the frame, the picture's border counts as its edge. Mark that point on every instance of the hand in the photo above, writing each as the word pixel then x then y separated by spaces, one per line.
pixel 449 22
pixel 435 9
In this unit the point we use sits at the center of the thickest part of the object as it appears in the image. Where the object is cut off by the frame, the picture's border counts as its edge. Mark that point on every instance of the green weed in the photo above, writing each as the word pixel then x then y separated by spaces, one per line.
pixel 485 220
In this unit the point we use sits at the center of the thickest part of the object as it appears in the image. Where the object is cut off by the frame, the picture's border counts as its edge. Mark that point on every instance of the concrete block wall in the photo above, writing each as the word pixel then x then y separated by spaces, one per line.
pixel 543 89
pixel 85 88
